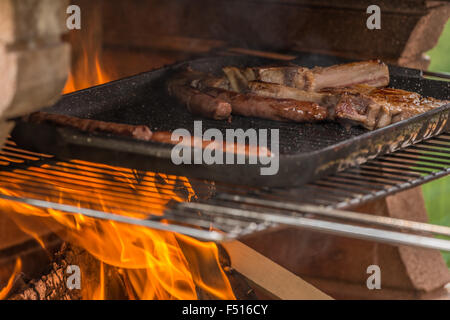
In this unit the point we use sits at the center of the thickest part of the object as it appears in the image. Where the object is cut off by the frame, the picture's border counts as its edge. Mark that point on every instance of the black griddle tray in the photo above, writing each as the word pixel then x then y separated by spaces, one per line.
pixel 307 151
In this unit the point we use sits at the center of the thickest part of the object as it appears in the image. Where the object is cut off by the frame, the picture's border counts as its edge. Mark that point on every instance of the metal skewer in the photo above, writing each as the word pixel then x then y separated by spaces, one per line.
pixel 198 233
pixel 343 214
pixel 364 233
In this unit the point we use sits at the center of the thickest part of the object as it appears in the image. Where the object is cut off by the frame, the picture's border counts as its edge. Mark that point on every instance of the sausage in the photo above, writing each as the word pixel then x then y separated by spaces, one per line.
pixel 252 105
pixel 87 125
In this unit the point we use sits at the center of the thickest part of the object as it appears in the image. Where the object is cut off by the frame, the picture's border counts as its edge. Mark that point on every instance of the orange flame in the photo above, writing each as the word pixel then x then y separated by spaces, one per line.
pixel 153 264
pixel 156 264
pixel 88 73
pixel 6 290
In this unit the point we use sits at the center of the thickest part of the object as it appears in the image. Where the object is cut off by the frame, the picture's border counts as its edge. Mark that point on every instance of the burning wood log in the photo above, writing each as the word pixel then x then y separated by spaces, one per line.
pixel 51 286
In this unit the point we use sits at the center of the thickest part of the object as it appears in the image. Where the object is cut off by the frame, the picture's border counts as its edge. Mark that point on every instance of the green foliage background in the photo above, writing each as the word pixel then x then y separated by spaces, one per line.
pixel 437 193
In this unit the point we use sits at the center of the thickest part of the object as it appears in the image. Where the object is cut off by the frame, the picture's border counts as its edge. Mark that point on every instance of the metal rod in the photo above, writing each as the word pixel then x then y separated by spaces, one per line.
pixel 410 165
pixel 441 75
pixel 377 174
pixel 383 166
pixel 436 150
pixel 348 215
pixel 363 233
pixel 344 177
pixel 418 159
pixel 432 144
pixel 192 232
pixel 330 184
pixel 442 138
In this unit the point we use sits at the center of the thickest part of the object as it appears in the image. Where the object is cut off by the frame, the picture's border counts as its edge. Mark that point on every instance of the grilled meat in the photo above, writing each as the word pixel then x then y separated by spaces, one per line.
pixel 378 107
pixel 359 105
pixel 251 105
pixel 348 93
pixel 278 91
pixel 238 79
pixel 202 104
pixel 372 73
pixel 236 148
pixel 196 101
pixel 87 125
pixel 327 100
pixel 141 133
pixel 208 81
pixel 296 77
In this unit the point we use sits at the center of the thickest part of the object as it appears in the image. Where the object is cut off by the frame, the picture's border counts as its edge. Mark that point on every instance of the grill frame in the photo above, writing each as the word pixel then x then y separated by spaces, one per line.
pixel 110 102
pixel 228 212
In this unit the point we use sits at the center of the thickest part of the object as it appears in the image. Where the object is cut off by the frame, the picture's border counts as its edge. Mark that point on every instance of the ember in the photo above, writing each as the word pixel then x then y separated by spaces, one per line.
pixel 95 203
pixel 156 264
pixel 84 77
pixel 6 290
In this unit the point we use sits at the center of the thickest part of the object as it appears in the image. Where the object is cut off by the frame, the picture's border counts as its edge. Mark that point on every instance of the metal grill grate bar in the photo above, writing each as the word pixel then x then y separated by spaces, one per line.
pixel 229 211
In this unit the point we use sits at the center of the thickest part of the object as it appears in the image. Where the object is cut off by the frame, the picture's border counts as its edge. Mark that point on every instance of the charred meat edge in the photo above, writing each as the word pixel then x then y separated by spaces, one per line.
pixel 252 105
pixel 373 73
pixel 87 125
pixel 357 105
pixel 197 102
pixel 348 92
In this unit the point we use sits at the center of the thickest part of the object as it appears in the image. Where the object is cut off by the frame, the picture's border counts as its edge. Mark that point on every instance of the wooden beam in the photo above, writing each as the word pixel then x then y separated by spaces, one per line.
pixel 269 276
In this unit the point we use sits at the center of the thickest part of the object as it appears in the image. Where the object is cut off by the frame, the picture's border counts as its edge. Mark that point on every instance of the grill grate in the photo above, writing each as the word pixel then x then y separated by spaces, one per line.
pixel 377 178
pixel 217 211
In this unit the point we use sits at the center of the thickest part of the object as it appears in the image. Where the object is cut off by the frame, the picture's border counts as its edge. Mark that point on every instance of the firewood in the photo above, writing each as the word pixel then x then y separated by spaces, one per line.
pixel 269 276
pixel 51 286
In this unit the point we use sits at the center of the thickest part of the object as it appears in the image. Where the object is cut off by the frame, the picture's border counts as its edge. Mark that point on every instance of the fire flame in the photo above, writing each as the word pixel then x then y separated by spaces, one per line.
pixel 6 290
pixel 156 264
pixel 152 264
pixel 84 77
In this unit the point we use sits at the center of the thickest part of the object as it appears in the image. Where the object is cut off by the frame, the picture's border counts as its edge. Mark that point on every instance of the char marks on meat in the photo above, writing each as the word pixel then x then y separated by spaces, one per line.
pixel 196 101
pixel 353 94
pixel 251 105
pixel 372 73
pixel 378 107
